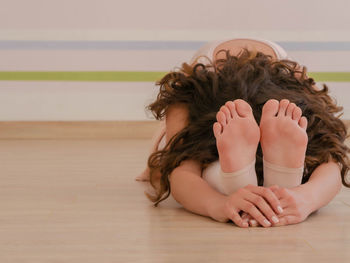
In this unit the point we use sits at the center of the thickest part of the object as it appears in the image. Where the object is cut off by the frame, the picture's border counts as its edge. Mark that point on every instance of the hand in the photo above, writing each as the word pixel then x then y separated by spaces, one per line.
pixel 296 207
pixel 261 203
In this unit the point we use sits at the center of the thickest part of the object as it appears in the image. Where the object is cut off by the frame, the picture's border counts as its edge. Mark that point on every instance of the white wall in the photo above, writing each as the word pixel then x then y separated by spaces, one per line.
pixel 188 23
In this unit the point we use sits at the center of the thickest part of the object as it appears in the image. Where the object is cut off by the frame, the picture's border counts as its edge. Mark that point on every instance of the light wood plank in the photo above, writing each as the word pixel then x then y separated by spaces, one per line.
pixel 77 201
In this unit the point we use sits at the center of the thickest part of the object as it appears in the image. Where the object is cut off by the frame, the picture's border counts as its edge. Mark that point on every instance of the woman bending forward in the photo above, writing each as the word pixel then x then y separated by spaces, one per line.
pixel 247 137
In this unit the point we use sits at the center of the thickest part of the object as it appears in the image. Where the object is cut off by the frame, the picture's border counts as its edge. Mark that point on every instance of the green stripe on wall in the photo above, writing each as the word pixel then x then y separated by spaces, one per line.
pixel 118 76
pixel 330 76
pixel 129 76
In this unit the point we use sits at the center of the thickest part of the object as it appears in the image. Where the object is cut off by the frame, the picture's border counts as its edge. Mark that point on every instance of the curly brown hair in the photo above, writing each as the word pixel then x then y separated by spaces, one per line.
pixel 255 78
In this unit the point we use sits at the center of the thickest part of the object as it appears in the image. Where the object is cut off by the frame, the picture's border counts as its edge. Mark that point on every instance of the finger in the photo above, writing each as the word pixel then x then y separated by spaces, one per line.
pixel 244 215
pixel 287 200
pixel 284 198
pixel 285 204
pixel 281 193
pixel 254 212
pixel 288 220
pixel 269 195
pixel 253 223
pixel 247 218
pixel 276 191
pixel 282 222
pixel 236 218
pixel 273 187
pixel 263 206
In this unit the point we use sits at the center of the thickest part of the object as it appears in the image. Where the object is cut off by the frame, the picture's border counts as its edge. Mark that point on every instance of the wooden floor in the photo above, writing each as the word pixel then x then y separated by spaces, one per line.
pixel 77 201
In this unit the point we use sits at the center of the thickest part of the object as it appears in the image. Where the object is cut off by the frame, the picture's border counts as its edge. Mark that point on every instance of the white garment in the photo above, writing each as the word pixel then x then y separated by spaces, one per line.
pixel 208 50
pixel 228 183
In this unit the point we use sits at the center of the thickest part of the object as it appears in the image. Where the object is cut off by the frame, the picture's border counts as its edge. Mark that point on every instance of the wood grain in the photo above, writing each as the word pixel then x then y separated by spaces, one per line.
pixel 77 201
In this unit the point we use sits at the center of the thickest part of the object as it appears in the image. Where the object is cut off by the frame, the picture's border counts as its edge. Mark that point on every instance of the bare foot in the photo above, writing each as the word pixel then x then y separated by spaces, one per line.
pixel 283 134
pixel 237 135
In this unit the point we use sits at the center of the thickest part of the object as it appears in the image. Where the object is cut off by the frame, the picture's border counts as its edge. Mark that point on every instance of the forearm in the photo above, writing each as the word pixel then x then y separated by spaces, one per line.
pixel 323 185
pixel 196 195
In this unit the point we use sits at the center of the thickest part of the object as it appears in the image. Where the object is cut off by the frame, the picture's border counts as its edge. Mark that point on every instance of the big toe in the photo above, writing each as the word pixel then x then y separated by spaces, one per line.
pixel 243 108
pixel 270 108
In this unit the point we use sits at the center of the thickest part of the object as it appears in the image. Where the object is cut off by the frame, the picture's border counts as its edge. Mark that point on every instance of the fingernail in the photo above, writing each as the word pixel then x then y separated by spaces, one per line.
pixel 275 219
pixel 279 209
pixel 253 222
pixel 266 222
pixel 245 224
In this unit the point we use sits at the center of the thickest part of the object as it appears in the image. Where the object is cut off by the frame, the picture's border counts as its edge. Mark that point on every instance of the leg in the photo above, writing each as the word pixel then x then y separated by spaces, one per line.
pixel 236 132
pixel 283 141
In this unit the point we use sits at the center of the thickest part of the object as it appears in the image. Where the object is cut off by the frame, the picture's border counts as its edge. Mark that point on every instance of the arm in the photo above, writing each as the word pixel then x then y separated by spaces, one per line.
pixel 187 186
pixel 324 184
pixel 194 193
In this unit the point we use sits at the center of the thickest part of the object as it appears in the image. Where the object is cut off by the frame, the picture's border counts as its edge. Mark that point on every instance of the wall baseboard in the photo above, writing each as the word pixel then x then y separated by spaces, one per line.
pixel 55 130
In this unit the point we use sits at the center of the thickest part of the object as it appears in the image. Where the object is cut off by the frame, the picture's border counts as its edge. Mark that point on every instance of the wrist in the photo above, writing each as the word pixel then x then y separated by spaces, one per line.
pixel 307 197
pixel 216 208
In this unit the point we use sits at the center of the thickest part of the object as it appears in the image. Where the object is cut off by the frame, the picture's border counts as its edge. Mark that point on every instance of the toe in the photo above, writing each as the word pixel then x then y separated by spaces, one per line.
pixel 231 106
pixel 227 112
pixel 297 113
pixel 217 128
pixel 243 108
pixel 290 109
pixel 303 122
pixel 221 118
pixel 283 107
pixel 270 108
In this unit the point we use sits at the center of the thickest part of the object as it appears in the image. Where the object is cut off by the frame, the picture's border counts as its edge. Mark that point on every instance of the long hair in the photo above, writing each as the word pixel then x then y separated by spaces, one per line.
pixel 255 78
